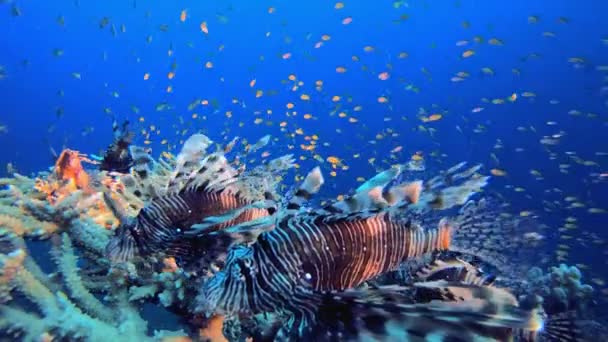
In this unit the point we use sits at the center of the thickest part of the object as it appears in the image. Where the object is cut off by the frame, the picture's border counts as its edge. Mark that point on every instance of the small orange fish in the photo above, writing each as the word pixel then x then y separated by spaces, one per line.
pixel 383 76
pixel 417 157
pixel 498 172
pixel 183 16
pixel 204 27
pixel 435 117
pixel 468 53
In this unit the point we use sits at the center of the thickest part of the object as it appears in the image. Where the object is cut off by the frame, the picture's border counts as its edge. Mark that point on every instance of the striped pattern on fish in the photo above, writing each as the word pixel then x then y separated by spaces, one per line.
pixel 161 225
pixel 168 216
pixel 304 256
pixel 341 254
pixel 310 253
pixel 202 189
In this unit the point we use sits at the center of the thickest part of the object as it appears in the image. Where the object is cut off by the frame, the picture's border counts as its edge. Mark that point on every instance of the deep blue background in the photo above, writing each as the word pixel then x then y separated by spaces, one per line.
pixel 29 94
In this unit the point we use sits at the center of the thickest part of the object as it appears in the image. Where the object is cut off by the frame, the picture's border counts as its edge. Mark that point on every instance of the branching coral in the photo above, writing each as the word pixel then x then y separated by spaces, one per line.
pixel 66 207
pixel 72 311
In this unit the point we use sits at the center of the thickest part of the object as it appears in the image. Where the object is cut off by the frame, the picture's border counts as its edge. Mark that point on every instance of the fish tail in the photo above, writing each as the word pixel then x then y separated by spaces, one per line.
pixel 482 231
pixel 310 186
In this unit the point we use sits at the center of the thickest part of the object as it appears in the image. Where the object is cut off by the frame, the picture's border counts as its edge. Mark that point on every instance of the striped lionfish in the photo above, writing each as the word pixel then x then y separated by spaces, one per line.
pixel 117 156
pixel 203 186
pixel 310 264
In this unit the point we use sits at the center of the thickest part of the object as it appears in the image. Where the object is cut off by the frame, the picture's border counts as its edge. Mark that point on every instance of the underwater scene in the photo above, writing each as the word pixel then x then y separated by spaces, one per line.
pixel 273 170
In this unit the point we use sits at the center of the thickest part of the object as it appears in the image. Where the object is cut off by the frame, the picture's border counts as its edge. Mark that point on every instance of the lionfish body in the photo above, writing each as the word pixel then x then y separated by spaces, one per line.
pixel 309 255
pixel 117 156
pixel 203 188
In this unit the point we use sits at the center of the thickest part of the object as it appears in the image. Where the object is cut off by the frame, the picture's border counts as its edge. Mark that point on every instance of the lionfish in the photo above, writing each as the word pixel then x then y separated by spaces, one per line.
pixel 202 187
pixel 311 263
pixel 117 156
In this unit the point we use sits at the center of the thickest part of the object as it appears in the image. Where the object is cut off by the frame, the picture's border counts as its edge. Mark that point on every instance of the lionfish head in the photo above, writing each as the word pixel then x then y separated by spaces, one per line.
pixel 223 292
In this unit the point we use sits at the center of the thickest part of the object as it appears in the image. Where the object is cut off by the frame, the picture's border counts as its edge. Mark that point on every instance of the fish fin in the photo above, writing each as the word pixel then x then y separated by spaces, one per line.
pixel 381 180
pixel 208 224
pixel 481 230
pixel 201 252
pixel 310 186
pixel 215 175
pixel 453 188
pixel 123 246
pixel 563 327
pixel 143 163
pixel 455 270
pixel 262 181
pixel 376 200
pixel 404 193
pixel 142 181
pixel 190 159
pixel 385 314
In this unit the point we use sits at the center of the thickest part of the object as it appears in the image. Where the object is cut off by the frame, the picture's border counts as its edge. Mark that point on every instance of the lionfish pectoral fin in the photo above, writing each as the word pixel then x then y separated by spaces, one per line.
pixel 455 270
pixel 381 180
pixel 563 327
pixel 246 233
pixel 209 223
pixel 310 186
pixel 122 246
pixel 481 230
pixel 384 315
pixel 199 253
pixel 296 326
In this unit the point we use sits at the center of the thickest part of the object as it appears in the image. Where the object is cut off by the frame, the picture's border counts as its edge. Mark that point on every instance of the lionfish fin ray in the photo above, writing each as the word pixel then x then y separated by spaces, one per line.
pixel 311 185
pixel 563 327
pixel 452 188
pixel 190 159
pixel 385 314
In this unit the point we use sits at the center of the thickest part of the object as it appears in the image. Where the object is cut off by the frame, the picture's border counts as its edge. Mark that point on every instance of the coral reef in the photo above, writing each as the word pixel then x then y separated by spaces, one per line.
pixel 560 290
pixel 83 298
pixel 71 213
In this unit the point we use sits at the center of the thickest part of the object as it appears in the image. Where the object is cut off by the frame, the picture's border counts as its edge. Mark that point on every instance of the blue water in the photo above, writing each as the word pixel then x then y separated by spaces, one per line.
pixel 108 63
